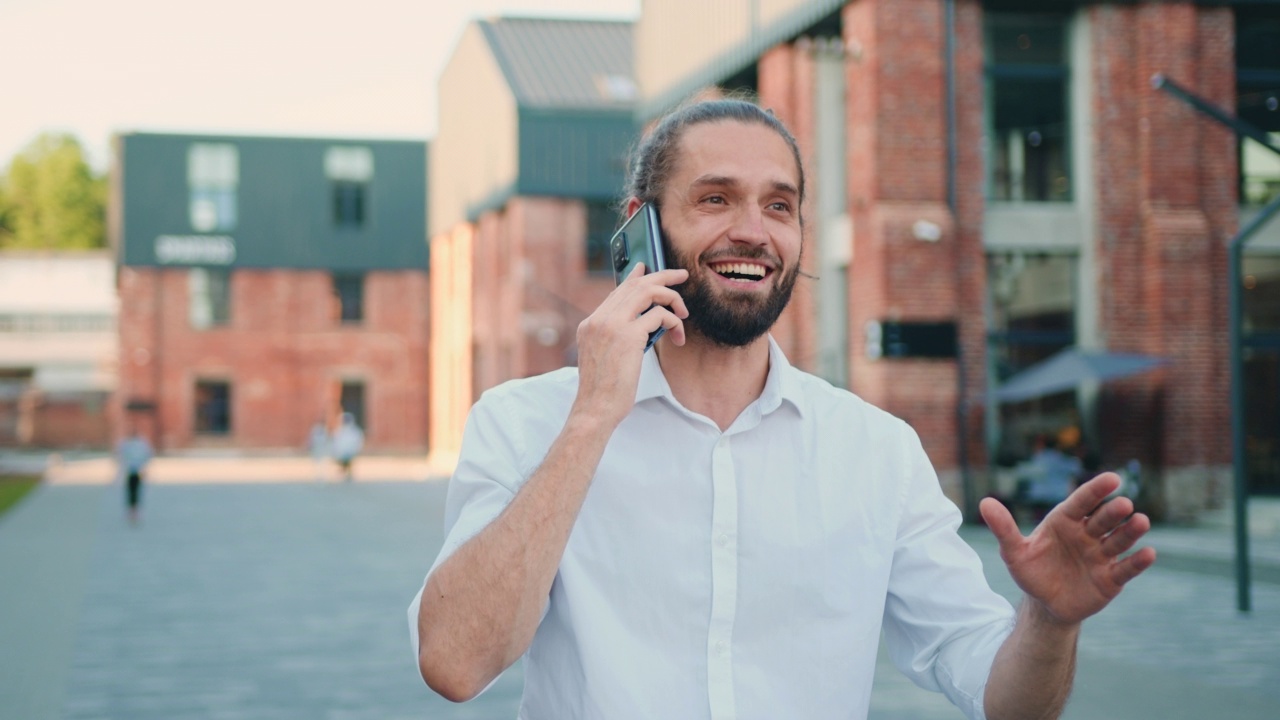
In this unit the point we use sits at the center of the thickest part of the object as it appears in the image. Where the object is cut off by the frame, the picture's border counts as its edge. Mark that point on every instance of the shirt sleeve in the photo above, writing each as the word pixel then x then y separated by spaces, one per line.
pixel 943 623
pixel 486 478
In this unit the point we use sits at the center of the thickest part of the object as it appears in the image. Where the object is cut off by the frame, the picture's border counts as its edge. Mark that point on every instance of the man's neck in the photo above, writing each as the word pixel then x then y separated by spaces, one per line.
pixel 713 380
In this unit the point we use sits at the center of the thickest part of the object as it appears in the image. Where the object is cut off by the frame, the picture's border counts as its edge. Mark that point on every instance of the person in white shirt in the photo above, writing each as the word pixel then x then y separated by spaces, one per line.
pixel 704 531
pixel 348 441
pixel 318 445
pixel 133 454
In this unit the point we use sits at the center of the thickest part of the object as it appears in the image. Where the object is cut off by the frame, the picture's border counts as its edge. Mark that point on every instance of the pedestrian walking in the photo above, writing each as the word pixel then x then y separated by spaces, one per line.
pixel 348 441
pixel 132 455
pixel 318 446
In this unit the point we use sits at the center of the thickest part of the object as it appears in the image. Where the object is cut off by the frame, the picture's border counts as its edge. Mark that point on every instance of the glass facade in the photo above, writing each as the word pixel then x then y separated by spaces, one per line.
pixel 209 301
pixel 1031 315
pixel 1028 131
pixel 1258 100
pixel 352 401
pixel 213 173
pixel 350 171
pixel 213 407
pixel 602 221
pixel 348 291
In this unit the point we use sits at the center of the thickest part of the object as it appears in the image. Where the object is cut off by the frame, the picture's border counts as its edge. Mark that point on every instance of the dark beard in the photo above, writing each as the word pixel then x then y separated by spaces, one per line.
pixel 734 320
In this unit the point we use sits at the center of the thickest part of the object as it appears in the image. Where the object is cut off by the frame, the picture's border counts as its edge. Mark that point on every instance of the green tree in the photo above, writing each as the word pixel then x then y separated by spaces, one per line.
pixel 50 199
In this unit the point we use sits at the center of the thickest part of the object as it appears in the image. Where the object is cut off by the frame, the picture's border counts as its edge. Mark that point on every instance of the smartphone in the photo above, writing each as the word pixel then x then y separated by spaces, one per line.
pixel 639 240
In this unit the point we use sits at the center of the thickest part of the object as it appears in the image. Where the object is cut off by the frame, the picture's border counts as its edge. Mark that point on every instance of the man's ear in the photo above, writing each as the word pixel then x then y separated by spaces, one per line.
pixel 633 204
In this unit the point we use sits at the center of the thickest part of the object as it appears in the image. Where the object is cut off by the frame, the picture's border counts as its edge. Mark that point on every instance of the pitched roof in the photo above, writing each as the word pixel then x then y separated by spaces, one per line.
pixel 550 63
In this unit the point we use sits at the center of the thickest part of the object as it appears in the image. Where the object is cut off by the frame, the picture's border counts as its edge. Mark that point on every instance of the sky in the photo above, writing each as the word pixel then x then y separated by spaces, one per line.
pixel 273 67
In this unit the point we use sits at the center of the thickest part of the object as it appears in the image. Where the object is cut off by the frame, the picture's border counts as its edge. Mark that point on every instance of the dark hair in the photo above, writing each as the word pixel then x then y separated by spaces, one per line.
pixel 654 157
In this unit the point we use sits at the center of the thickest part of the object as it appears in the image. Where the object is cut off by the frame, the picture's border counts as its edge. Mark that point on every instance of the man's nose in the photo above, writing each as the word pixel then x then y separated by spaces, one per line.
pixel 748 225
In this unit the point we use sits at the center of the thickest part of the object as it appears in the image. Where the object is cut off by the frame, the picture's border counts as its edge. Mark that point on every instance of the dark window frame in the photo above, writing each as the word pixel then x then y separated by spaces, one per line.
pixel 213 417
pixel 602 223
pixel 353 397
pixel 350 203
pixel 349 291
pixel 1038 180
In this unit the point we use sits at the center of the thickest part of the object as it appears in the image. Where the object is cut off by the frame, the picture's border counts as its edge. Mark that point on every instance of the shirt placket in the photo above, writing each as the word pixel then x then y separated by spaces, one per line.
pixel 724 581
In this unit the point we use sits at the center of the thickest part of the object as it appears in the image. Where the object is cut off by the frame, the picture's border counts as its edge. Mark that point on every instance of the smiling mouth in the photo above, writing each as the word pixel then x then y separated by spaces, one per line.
pixel 743 272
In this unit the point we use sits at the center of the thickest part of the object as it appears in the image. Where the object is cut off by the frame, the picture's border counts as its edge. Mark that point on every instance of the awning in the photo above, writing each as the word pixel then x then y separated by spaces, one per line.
pixel 1070 368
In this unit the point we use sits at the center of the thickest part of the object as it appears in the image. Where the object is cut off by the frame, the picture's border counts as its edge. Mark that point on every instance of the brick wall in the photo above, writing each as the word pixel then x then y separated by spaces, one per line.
pixel 284 352
pixel 897 177
pixel 1166 201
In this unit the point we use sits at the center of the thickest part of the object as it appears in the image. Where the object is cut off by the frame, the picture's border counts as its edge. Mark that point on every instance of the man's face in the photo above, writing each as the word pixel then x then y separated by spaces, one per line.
pixel 731 217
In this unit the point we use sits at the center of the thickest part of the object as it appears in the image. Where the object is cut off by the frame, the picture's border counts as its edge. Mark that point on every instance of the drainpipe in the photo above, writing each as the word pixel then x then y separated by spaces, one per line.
pixel 962 387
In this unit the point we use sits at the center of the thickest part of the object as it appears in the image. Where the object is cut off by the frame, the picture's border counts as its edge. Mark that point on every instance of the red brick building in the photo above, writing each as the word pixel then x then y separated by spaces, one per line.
pixel 1060 200
pixel 992 182
pixel 536 116
pixel 267 283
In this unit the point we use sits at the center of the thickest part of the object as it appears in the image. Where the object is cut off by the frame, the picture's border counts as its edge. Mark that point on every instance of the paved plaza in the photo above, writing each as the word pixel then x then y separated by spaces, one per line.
pixel 270 599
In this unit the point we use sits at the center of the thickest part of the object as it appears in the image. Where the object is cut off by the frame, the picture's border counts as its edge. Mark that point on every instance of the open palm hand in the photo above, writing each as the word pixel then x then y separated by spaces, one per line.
pixel 1071 562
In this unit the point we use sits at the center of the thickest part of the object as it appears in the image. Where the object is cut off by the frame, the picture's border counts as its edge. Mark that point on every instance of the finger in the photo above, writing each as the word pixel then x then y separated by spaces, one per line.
pixel 659 316
pixel 1125 536
pixel 1001 523
pixel 672 300
pixel 670 276
pixel 1082 502
pixel 1108 516
pixel 1132 566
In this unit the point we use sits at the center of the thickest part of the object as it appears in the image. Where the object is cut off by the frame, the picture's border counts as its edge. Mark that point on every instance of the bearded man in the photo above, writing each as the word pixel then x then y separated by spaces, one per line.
pixel 704 531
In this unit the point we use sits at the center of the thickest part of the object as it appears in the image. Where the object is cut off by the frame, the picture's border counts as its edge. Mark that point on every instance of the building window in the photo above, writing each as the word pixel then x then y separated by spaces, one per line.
pixel 348 290
pixel 352 400
pixel 602 221
pixel 1031 305
pixel 213 407
pixel 350 173
pixel 1028 131
pixel 210 297
pixel 213 172
pixel 1258 100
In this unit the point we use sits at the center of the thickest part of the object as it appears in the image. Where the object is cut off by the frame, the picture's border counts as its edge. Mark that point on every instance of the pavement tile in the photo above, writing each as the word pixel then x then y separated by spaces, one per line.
pixel 286 600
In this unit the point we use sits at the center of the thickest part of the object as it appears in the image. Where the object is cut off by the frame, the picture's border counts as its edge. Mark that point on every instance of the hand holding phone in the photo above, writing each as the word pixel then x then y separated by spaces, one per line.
pixel 639 240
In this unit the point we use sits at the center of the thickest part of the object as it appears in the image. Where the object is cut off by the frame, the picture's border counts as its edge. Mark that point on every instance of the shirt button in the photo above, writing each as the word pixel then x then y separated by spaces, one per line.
pixel 722 540
pixel 723 441
pixel 722 647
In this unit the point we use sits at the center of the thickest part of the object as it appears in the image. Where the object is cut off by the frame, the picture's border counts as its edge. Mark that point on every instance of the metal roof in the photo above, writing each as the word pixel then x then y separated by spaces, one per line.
pixel 551 63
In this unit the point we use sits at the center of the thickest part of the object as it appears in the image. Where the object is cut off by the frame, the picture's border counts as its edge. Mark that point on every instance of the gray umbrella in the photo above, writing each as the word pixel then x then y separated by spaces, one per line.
pixel 1070 368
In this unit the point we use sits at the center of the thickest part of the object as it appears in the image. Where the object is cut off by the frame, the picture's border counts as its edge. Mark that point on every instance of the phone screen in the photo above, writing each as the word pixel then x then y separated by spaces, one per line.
pixel 639 240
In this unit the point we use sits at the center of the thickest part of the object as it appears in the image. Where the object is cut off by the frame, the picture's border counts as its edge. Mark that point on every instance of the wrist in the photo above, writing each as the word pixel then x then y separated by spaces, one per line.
pixel 1038 616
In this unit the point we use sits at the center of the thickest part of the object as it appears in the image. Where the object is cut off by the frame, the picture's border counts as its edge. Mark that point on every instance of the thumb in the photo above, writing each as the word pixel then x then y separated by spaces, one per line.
pixel 1001 522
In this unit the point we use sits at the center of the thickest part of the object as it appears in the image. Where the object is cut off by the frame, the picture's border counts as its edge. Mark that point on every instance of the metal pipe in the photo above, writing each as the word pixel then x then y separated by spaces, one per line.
pixel 1235 318
pixel 949 62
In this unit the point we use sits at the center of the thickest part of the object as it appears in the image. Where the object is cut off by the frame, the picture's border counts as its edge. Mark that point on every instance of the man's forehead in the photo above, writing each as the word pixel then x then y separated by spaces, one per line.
pixel 717 151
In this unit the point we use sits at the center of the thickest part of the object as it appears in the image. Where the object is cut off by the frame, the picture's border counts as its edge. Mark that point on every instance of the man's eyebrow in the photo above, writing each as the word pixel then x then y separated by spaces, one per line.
pixel 786 187
pixel 726 181
pixel 716 180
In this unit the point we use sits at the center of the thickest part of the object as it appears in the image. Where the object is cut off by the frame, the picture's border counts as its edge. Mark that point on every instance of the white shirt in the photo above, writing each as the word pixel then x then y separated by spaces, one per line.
pixel 134 453
pixel 736 574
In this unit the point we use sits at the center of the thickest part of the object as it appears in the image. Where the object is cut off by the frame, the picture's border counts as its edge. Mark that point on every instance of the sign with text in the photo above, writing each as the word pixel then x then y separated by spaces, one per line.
pixel 195 250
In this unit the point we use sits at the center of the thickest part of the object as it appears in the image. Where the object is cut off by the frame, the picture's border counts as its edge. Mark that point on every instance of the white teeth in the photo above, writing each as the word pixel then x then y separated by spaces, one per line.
pixel 740 269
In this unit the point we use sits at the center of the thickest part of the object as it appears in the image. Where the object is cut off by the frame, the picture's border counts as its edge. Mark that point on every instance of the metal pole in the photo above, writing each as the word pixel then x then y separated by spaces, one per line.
pixel 970 498
pixel 1235 318
pixel 1240 483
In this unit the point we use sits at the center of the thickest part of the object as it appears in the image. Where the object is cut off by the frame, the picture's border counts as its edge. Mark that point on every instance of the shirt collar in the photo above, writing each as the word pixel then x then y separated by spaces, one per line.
pixel 782 383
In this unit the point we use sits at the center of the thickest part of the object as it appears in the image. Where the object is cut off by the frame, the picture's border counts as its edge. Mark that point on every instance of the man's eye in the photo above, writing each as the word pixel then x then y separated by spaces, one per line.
pixel 715 199
pixel 781 207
